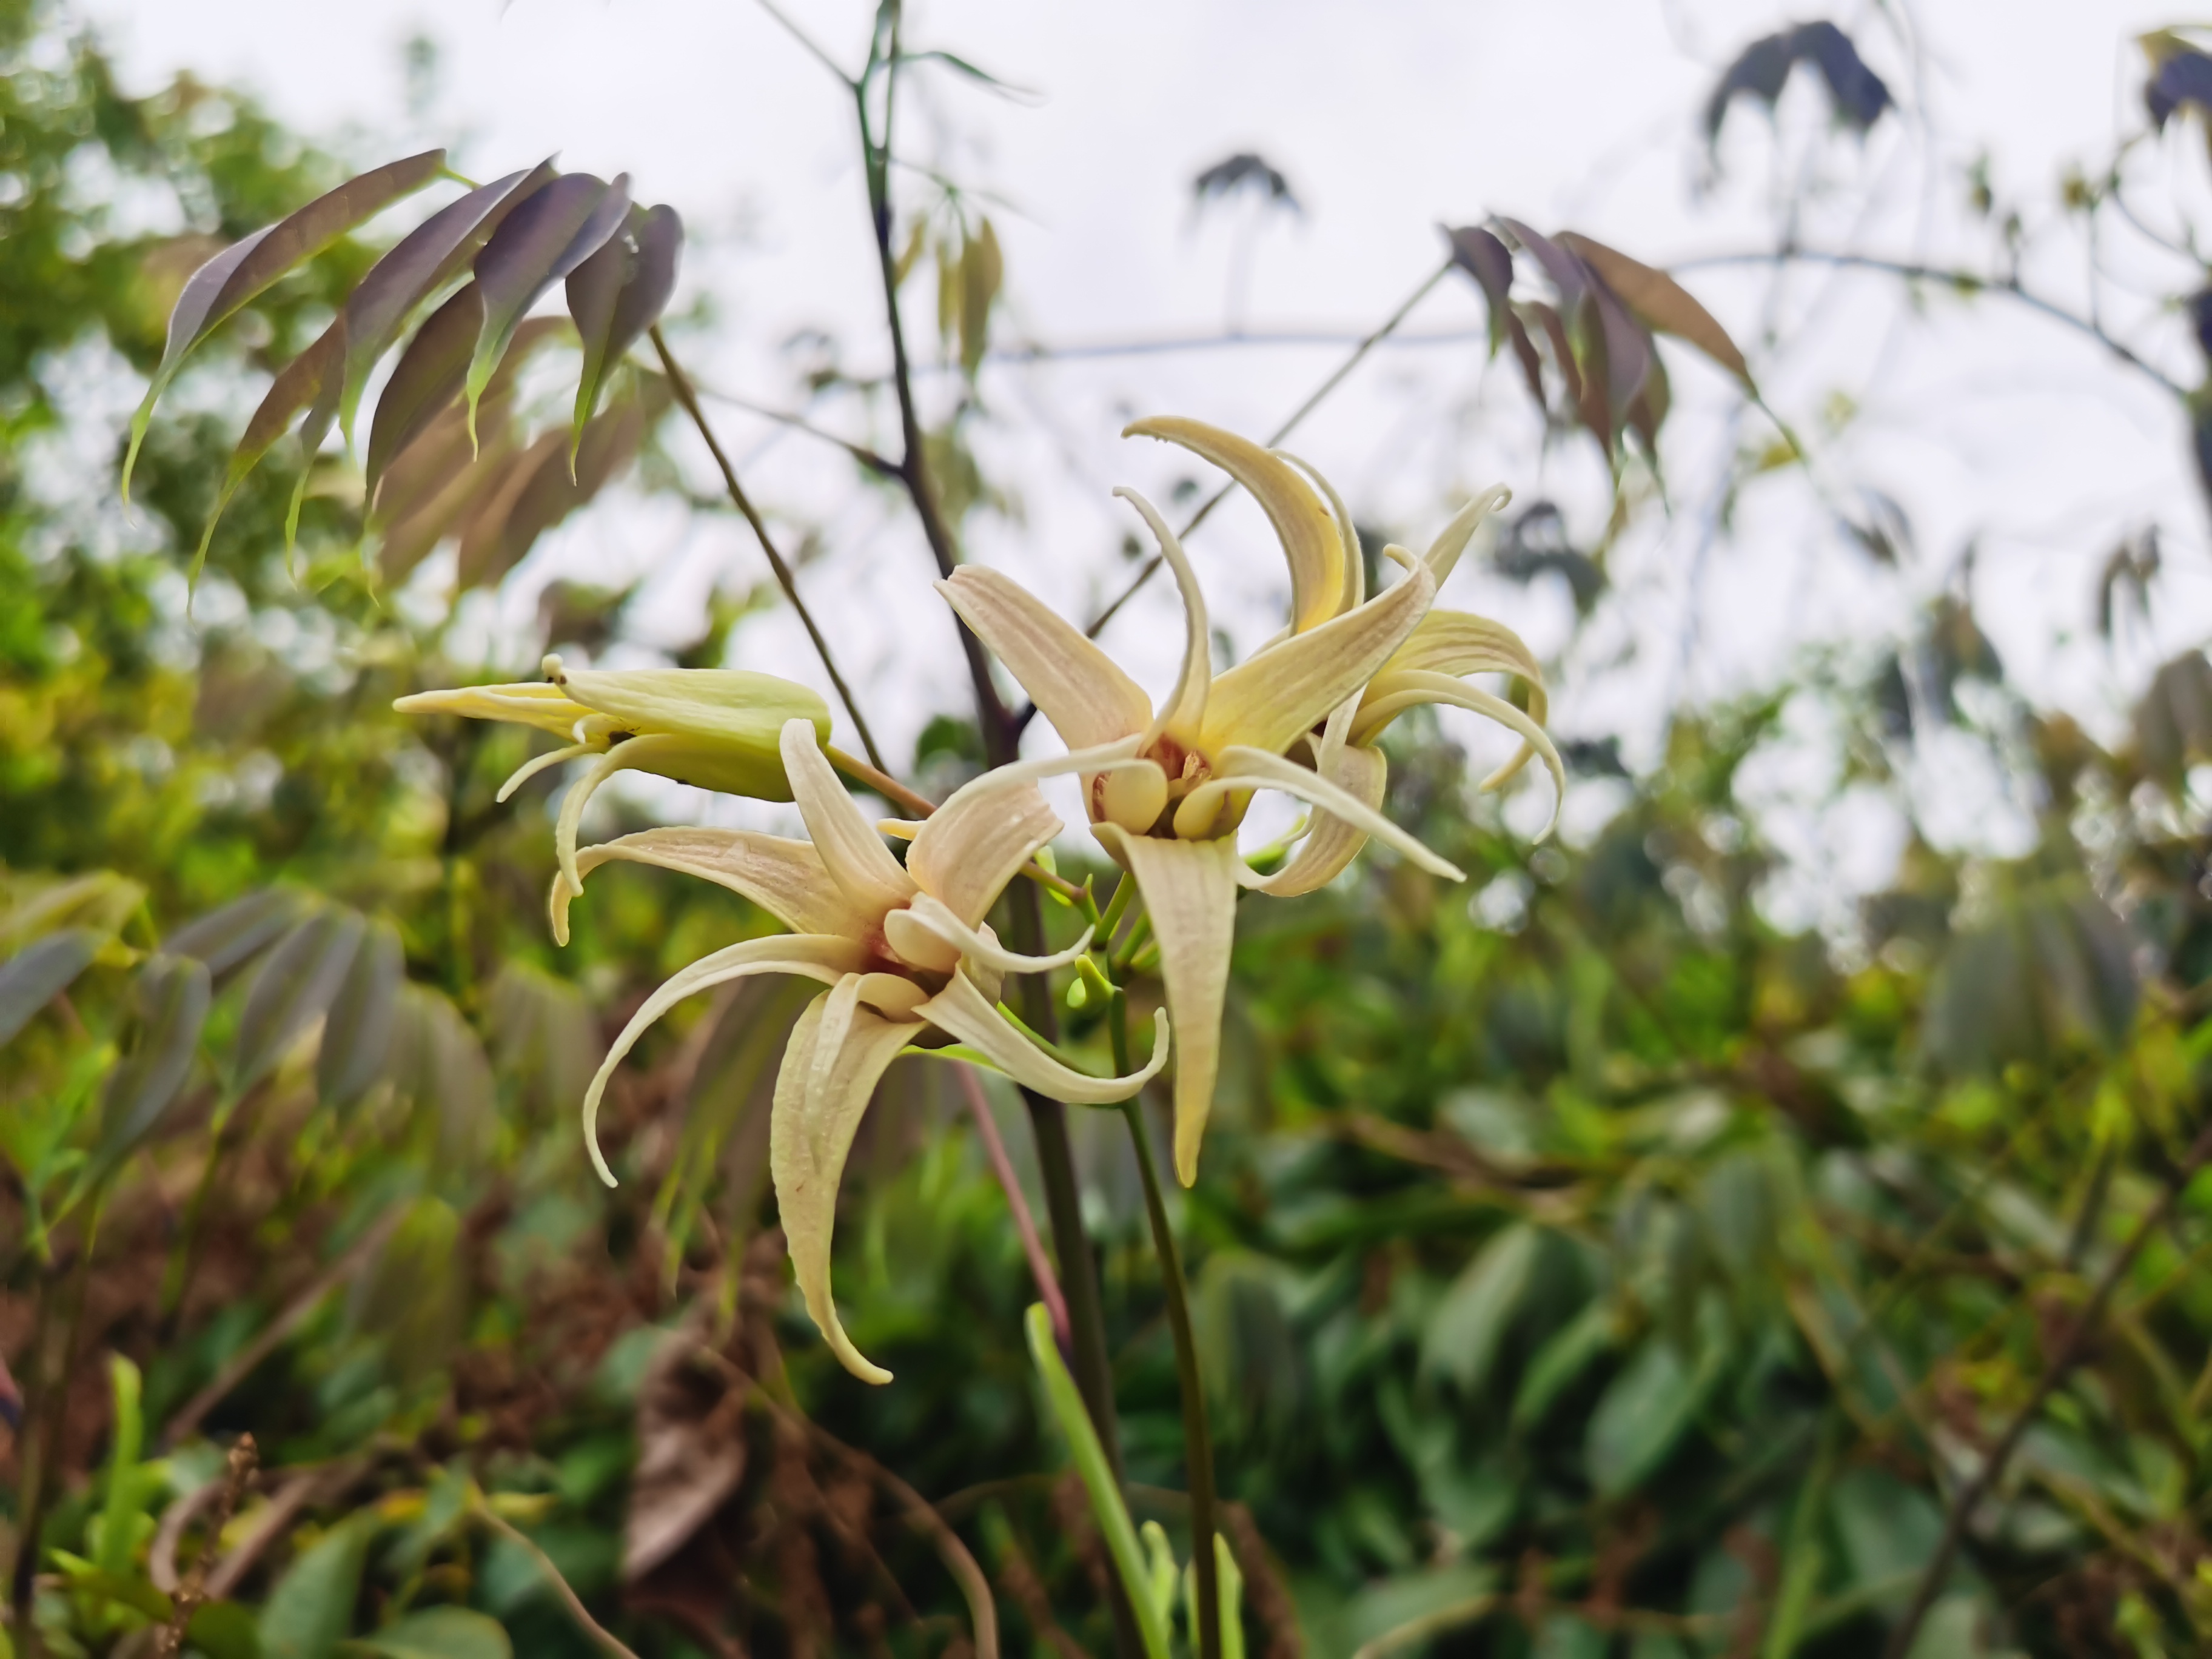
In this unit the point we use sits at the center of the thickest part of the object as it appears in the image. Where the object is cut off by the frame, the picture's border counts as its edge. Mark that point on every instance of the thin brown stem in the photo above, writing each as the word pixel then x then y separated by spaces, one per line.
pixel 244 1456
pixel 880 781
pixel 994 1146
pixel 552 1575
pixel 1367 344
pixel 680 383
pixel 1969 1496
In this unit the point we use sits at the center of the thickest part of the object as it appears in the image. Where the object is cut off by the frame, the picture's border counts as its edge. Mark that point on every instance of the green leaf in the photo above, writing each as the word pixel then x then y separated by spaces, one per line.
pixel 121 1505
pixel 173 999
pixel 981 271
pixel 32 978
pixel 1098 1484
pixel 1463 1335
pixel 223 1630
pixel 312 1607
pixel 122 1587
pixel 357 1033
pixel 541 242
pixel 294 989
pixel 615 296
pixel 218 288
pixel 439 1633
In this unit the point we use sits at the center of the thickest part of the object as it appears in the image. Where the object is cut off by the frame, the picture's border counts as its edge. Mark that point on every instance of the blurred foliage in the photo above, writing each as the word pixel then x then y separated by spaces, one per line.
pixel 1584 1265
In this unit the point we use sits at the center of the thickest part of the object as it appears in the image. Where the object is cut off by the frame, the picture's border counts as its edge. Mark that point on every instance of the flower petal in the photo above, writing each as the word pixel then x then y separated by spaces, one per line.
pixel 1331 844
pixel 785 878
pixel 1190 893
pixel 1399 692
pixel 1310 540
pixel 966 852
pixel 1185 709
pixel 730 707
pixel 961 1010
pixel 821 1092
pixel 1255 768
pixel 940 920
pixel 851 850
pixel 531 768
pixel 1268 701
pixel 1117 756
pixel 1459 642
pixel 809 956
pixel 1074 684
pixel 1355 566
pixel 533 702
pixel 1451 541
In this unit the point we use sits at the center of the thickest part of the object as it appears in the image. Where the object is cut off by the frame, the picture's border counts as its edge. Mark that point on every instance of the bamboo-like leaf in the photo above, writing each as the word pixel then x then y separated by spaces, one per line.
pixel 1659 301
pixel 422 262
pixel 294 989
pixel 1628 354
pixel 303 383
pixel 615 296
pixel 227 938
pixel 458 491
pixel 428 377
pixel 547 492
pixel 541 241
pixel 983 269
pixel 33 977
pixel 173 999
pixel 218 288
pixel 357 1033
pixel 483 540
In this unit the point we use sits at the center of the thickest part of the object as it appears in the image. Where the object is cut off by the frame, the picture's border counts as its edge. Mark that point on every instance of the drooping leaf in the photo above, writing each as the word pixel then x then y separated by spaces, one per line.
pixel 982 271
pixel 301 383
pixel 1565 1357
pixel 1483 257
pixel 1856 93
pixel 218 288
pixel 1642 1416
pixel 615 296
pixel 428 377
pixel 227 938
pixel 540 491
pixel 544 1037
pixel 439 1633
pixel 31 978
pixel 294 989
pixel 2173 721
pixel 438 1064
pixel 411 1296
pixel 311 1608
pixel 1564 269
pixel 540 242
pixel 357 1032
pixel 485 539
pixel 1659 301
pixel 1628 355
pixel 172 998
pixel 447 485
pixel 1246 173
pixel 418 265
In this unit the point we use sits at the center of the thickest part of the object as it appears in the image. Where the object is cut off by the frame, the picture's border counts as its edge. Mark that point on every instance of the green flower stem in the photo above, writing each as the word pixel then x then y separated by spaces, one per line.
pixel 1197 1434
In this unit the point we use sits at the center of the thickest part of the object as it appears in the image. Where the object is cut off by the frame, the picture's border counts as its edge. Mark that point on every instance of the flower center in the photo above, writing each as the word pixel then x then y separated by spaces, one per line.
pixel 1159 795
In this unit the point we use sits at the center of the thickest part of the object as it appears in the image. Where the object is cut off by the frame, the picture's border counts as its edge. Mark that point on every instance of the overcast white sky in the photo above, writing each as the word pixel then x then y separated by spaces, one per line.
pixel 1990 426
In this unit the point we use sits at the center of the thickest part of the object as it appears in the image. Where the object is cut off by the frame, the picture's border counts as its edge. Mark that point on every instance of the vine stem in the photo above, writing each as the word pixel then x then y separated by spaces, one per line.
pixel 1197 1433
pixel 1969 1496
pixel 680 383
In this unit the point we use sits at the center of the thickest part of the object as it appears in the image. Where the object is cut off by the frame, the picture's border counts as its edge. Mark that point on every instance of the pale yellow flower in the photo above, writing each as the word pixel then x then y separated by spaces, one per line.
pixel 1166 789
pixel 716 728
pixel 902 949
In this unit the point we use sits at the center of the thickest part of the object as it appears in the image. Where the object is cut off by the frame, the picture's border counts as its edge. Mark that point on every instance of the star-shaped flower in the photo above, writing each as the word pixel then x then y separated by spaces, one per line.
pixel 901 948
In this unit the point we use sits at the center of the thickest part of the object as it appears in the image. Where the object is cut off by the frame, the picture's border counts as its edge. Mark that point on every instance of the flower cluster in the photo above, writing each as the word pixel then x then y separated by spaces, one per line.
pixel 904 949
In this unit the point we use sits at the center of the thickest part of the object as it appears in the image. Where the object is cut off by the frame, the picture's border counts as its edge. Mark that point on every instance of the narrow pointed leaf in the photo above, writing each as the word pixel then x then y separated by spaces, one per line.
pixel 1483 257
pixel 32 978
pixel 1564 269
pixel 304 382
pixel 294 988
pixel 422 262
pixel 173 999
pixel 616 296
pixel 227 938
pixel 1659 301
pixel 357 1033
pixel 216 291
pixel 552 490
pixel 428 377
pixel 438 1633
pixel 541 242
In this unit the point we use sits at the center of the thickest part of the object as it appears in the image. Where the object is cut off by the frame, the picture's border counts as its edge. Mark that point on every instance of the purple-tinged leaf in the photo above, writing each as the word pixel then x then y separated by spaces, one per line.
pixel 31 978
pixel 1859 94
pixel 227 938
pixel 1762 70
pixel 1565 271
pixel 428 377
pixel 1628 352
pixel 1483 257
pixel 1524 350
pixel 1659 301
pixel 218 288
pixel 301 383
pixel 357 1033
pixel 484 557
pixel 615 296
pixel 1563 353
pixel 1594 406
pixel 424 261
pixel 541 241
pixel 172 998
pixel 550 492
pixel 293 990
pixel 449 504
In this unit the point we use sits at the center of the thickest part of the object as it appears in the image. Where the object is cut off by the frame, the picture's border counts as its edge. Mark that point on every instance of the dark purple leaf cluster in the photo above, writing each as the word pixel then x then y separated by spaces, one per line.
pixel 1763 70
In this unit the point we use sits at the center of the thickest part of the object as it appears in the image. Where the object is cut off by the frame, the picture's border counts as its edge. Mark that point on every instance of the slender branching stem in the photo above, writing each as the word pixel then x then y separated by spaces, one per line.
pixel 553 1576
pixel 1383 331
pixel 2076 1348
pixel 680 383
pixel 878 780
pixel 1197 1434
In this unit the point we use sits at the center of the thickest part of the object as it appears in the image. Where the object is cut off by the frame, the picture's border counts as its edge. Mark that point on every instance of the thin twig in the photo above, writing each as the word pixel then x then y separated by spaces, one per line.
pixel 1367 344
pixel 883 465
pixel 680 384
pixel 882 782
pixel 244 1456
pixel 552 1575
pixel 2076 1348
pixel 1965 282
pixel 1048 1282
